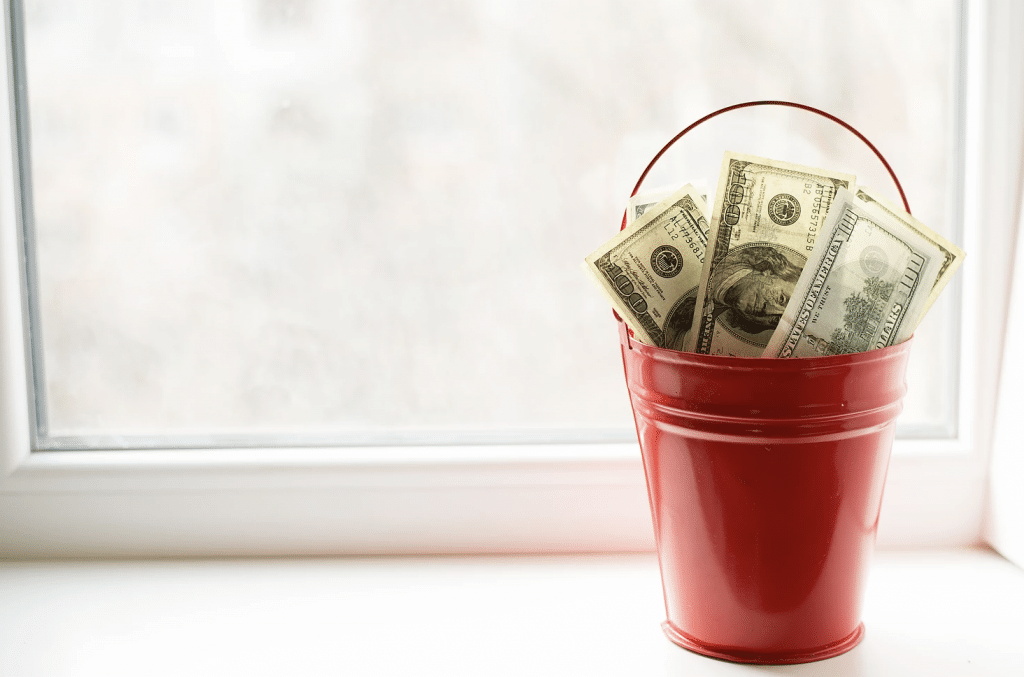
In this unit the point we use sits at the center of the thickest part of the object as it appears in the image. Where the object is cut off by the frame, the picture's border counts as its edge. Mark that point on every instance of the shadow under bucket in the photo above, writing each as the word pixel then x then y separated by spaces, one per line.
pixel 765 479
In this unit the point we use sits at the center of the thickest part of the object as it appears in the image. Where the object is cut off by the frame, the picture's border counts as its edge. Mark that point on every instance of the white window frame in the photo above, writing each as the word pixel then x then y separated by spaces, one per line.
pixel 501 498
pixel 1004 510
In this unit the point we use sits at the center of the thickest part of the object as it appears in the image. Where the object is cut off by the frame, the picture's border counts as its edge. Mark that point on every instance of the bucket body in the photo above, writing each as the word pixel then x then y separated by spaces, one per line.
pixel 765 478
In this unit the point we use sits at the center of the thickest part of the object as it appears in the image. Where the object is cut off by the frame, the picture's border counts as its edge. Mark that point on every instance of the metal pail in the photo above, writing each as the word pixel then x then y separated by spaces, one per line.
pixel 765 479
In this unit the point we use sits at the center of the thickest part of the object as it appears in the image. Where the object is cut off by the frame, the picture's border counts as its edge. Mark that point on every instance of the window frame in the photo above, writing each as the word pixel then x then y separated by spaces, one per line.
pixel 1003 526
pixel 453 499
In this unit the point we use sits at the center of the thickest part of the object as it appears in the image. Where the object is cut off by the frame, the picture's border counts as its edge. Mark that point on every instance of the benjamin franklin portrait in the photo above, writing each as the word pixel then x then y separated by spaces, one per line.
pixel 754 284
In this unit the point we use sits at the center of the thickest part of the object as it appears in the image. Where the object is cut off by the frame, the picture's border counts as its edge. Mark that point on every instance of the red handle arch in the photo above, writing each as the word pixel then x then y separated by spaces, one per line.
pixel 788 104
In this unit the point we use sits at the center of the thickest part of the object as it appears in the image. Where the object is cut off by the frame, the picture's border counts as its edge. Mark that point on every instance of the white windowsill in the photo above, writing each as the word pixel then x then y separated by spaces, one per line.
pixel 931 612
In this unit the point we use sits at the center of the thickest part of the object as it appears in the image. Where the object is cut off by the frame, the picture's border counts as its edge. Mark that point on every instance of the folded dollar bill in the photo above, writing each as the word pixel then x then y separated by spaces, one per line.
pixel 641 202
pixel 865 284
pixel 952 256
pixel 650 270
pixel 765 219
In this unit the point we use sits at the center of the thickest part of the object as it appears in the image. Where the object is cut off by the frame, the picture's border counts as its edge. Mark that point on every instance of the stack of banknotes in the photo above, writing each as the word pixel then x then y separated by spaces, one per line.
pixel 793 262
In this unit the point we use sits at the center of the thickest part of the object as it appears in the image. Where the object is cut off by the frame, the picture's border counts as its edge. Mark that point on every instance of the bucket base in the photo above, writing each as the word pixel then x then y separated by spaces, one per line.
pixel 762 658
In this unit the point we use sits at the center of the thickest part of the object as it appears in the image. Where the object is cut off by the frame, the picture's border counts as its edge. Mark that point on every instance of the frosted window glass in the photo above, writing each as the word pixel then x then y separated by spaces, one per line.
pixel 363 217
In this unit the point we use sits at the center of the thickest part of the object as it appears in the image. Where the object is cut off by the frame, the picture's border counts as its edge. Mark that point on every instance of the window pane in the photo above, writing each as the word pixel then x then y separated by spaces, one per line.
pixel 313 216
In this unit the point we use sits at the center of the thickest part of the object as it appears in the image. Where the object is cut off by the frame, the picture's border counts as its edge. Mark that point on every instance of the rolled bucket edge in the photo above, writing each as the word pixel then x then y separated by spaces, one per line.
pixel 832 650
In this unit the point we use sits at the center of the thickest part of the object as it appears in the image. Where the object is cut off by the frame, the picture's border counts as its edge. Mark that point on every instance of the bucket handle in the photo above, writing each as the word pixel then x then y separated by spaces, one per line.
pixel 789 104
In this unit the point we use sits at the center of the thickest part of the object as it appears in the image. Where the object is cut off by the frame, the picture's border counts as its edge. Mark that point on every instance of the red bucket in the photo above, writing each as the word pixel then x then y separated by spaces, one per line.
pixel 765 479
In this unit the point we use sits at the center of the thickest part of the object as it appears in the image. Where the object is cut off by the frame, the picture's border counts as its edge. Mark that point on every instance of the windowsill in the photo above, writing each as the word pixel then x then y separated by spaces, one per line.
pixel 934 612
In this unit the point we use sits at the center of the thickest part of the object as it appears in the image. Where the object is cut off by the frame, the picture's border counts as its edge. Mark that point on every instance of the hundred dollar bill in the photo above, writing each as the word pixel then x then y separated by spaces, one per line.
pixel 765 220
pixel 952 256
pixel 640 203
pixel 649 271
pixel 864 287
